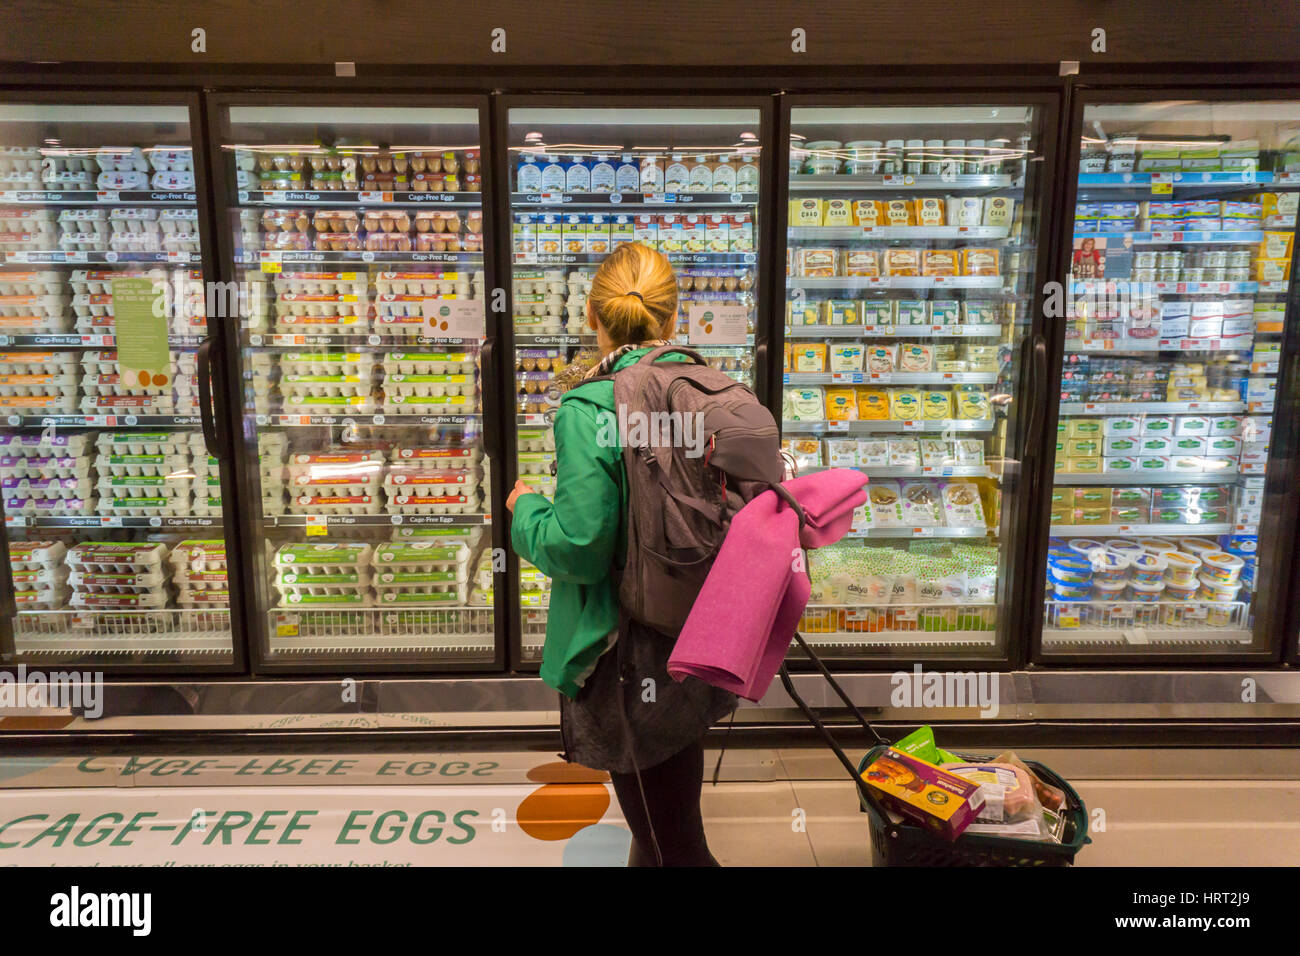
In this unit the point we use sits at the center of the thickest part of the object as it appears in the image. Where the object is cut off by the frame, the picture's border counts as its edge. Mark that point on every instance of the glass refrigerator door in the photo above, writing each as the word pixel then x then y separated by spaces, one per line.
pixel 585 180
pixel 358 233
pixel 1180 264
pixel 910 269
pixel 112 501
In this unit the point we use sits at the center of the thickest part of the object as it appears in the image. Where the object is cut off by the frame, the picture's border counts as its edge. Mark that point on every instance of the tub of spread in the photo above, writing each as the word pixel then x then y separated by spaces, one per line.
pixel 1110 567
pixel 1086 546
pixel 1181 592
pixel 1145 593
pixel 1218 616
pixel 1123 547
pixel 1069 592
pixel 1183 567
pixel 1157 545
pixel 1212 590
pixel 1108 590
pixel 1069 570
pixel 1197 546
pixel 1221 566
pixel 822 160
pixel 1149 568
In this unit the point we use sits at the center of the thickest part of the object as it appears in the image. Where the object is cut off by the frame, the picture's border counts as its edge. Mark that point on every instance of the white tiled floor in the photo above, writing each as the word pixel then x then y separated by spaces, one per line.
pixel 1147 823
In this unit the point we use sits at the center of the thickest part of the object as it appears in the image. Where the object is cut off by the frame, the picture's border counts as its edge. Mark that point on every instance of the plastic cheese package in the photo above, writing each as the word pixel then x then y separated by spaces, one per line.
pixel 920 501
pixel 885 498
pixel 961 505
pixel 803 405
pixel 1011 805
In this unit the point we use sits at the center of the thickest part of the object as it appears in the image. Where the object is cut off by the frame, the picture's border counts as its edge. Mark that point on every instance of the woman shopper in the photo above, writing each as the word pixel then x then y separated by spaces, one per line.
pixel 619 709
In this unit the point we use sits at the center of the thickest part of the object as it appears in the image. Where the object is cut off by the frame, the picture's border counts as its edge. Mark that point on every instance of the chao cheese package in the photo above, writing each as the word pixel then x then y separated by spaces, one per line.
pixel 841 404
pixel 900 212
pixel 806 212
pixel 837 212
pixel 939 262
pixel 929 211
pixel 902 262
pixel 939 801
pixel 862 262
pixel 980 262
pixel 868 212
pixel 999 211
pixel 816 262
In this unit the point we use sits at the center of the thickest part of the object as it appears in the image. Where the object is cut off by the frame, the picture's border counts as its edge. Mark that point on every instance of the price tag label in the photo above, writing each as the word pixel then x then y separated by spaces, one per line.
pixel 107 195
pixel 913 426
pixel 16 521
pixel 108 522
pixel 1162 184
pixel 314 530
pixel 717 323
pixel 922 532
pixel 837 426
pixel 454 318
pixel 882 376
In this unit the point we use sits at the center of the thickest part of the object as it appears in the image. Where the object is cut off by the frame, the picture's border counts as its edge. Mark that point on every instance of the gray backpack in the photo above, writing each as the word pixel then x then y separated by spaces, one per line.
pixel 697 446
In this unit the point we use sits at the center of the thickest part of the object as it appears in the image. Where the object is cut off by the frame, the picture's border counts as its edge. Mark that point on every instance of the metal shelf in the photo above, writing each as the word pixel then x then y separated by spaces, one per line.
pixel 896 181
pixel 78 197
pixel 103 421
pixel 827 233
pixel 293 421
pixel 940 532
pixel 348 197
pixel 894 282
pixel 75 341
pixel 1103 287
pixel 616 201
pixel 1159 345
pixel 887 425
pixel 888 378
pixel 1092 531
pixel 1178 178
pixel 891 331
pixel 1151 408
pixel 106 521
pixel 297 340
pixel 1065 480
pixel 595 258
pixel 1180 237
pixel 351 257
pixel 374 520
pixel 96 258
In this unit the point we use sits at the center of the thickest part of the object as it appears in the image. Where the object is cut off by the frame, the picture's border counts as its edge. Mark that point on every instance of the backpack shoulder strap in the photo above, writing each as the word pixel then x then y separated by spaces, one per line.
pixel 654 354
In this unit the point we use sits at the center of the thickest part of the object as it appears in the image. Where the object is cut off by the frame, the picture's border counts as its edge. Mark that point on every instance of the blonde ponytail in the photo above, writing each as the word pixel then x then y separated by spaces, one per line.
pixel 634 295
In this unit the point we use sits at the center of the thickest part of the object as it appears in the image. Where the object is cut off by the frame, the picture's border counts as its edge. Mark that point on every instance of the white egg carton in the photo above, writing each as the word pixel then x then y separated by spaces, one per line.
pixel 37 282
pixel 360 364
pixel 297 588
pixel 342 459
pixel 35 324
pixel 122 179
pixel 187 242
pixel 320 284
pixel 49 506
pixel 99 282
pixel 420 556
pixel 42 599
pixel 35 555
pixel 61 364
pixel 85 241
pixel 126 506
pixel 148 443
pixel 431 386
pixel 135 242
pixel 549 282
pixel 428 363
pixel 123 582
pixel 323 325
pixel 438 457
pixel 93 384
pixel 325 386
pixel 170 158
pixel 273 505
pixel 402 404
pixel 322 557
pixel 433 505
pixel 135 404
pixel 172 180
pixel 19 158
pixel 141 486
pixel 44 467
pixel 339 504
pixel 353 600
pixel 72 444
pixel 301 403
pixel 213 598
pixel 121 159
pixel 47 488
pixel 116 556
pixel 84 220
pixel 429 482
pixel 401 325
pixel 543 442
pixel 205 466
pixel 145 601
pixel 292 303
pixel 58 404
pixel 206 507
pixel 432 594
pixel 38 383
pixel 198 554
pixel 104 362
pixel 46 576
pixel 200 580
pixel 538 467
pixel 69 180
pixel 179 222
pixel 440 535
pixel 132 466
pixel 45 306
pixel 546 325
pixel 20 180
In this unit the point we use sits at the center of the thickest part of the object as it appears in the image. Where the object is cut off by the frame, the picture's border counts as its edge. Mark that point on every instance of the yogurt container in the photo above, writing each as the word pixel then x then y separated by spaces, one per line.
pixel 1221 566
pixel 1183 567
pixel 1212 590
pixel 1145 593
pixel 1181 592
pixel 864 157
pixel 1110 567
pixel 1149 568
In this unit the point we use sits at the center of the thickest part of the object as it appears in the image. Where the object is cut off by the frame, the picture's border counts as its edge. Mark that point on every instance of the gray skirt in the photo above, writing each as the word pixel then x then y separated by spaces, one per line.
pixel 646 718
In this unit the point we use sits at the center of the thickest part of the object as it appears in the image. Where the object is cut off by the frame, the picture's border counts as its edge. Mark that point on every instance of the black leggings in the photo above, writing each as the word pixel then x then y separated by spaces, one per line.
pixel 672 793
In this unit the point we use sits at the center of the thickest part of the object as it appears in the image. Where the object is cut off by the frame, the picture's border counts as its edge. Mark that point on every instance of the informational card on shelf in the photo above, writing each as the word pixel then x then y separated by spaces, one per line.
pixel 140 320
pixel 714 324
pixel 454 319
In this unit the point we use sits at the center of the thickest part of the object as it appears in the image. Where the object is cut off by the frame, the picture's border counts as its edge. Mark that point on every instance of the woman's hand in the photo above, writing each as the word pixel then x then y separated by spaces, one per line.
pixel 521 488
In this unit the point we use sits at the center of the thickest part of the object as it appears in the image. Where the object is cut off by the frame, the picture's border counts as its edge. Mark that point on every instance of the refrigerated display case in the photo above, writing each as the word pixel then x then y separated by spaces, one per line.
pixel 912 266
pixel 356 227
pixel 1169 528
pixel 114 498
pixel 683 179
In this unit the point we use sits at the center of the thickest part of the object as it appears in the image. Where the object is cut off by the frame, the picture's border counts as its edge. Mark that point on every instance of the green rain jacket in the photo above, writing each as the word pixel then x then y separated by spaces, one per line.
pixel 578 539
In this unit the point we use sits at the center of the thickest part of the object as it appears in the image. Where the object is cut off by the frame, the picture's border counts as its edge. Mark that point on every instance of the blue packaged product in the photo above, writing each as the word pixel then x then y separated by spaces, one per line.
pixel 1239 544
pixel 1071 592
pixel 1116 225
pixel 1075 570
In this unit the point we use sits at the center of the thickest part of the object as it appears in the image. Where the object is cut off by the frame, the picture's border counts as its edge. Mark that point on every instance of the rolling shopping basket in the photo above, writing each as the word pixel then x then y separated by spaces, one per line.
pixel 906 844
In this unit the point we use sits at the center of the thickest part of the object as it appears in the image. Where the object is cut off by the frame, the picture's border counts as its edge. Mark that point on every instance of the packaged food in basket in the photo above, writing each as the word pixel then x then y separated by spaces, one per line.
pixel 1011 806
pixel 924 793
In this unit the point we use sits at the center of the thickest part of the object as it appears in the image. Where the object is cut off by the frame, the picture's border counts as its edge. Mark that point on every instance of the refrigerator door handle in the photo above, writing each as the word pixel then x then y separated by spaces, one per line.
pixel 760 371
pixel 1037 410
pixel 491 399
pixel 212 433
